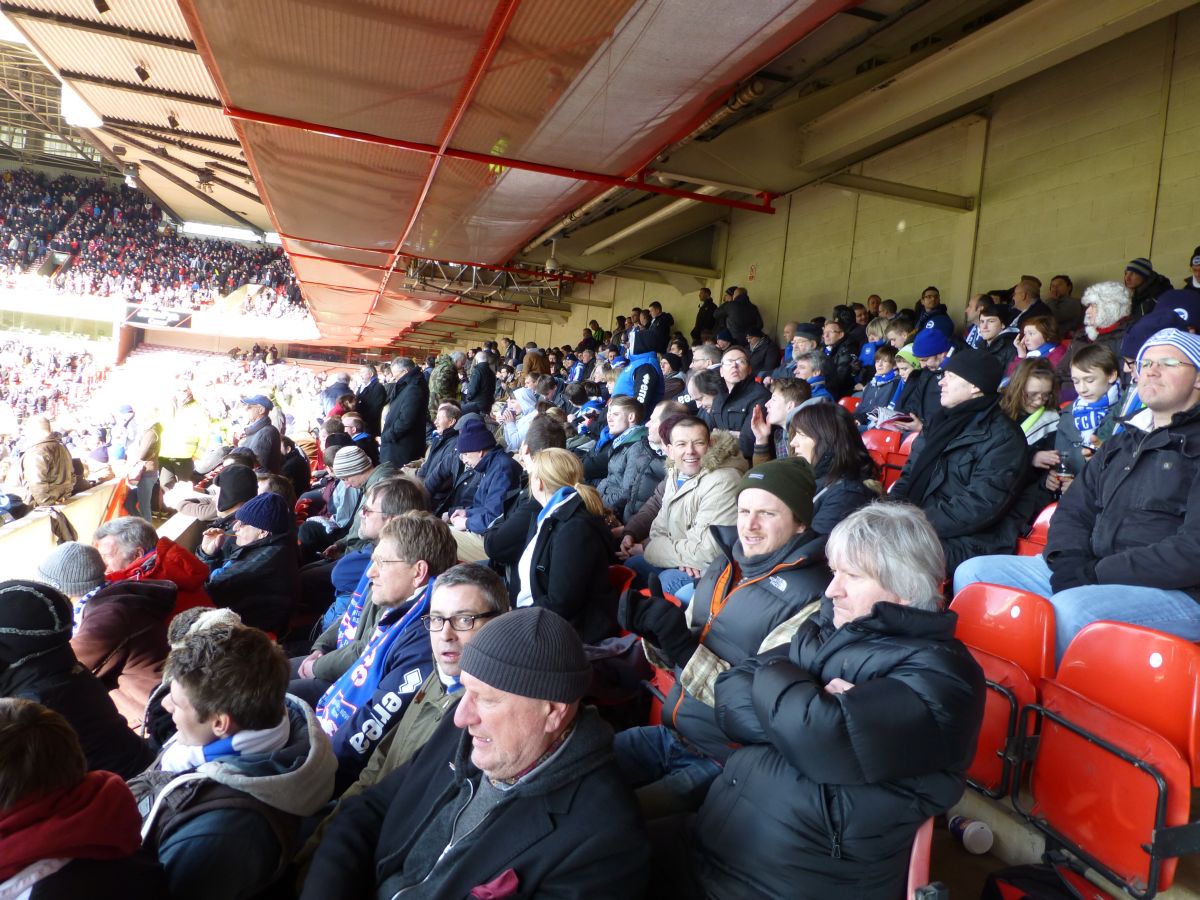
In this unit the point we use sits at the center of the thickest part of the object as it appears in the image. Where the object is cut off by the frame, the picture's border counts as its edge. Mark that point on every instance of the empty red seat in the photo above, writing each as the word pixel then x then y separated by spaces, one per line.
pixel 880 443
pixel 1035 542
pixel 1113 766
pixel 850 403
pixel 918 859
pixel 621 578
pixel 1011 635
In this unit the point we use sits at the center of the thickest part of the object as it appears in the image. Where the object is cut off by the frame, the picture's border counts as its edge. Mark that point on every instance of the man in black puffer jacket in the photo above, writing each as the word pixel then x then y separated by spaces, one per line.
pixel 731 409
pixel 852 738
pixel 965 469
pixel 403 437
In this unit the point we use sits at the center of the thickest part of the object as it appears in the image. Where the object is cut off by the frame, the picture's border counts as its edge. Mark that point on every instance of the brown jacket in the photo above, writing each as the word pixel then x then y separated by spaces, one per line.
pixel 47 472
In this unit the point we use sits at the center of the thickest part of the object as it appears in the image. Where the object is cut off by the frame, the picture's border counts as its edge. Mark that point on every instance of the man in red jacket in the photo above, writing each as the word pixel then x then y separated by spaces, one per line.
pixel 131 549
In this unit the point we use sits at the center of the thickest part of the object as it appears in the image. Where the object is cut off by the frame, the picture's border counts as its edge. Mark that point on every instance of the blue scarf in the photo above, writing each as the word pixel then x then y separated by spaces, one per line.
pixel 886 379
pixel 1088 416
pixel 866 355
pixel 357 685
pixel 1043 350
pixel 973 340
pixel 559 496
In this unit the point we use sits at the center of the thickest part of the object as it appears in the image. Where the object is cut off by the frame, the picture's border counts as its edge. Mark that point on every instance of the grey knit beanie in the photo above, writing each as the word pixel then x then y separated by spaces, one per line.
pixel 73 568
pixel 530 652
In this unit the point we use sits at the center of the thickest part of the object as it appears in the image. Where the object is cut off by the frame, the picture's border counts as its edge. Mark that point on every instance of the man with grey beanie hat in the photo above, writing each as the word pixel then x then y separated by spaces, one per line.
pixel 532 805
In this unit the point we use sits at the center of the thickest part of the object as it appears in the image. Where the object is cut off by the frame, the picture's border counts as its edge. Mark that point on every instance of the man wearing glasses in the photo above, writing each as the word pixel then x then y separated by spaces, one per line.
pixel 369 698
pixel 1125 538
pixel 464 599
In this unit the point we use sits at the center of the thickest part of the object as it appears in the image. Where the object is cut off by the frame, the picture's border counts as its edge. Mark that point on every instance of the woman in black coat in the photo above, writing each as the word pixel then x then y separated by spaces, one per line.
pixel 565 563
pixel 847 477
pixel 851 739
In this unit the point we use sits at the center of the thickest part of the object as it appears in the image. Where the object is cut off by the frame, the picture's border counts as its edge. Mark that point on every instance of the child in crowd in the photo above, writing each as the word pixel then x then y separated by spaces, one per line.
pixel 884 389
pixel 1094 371
pixel 876 337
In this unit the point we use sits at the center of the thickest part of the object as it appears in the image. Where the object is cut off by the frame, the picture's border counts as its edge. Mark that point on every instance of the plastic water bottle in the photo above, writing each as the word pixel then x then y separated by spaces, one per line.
pixel 974 835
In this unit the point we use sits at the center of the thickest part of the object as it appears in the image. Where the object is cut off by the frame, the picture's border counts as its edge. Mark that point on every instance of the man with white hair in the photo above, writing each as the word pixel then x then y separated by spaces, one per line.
pixel 1124 541
pixel 532 806
pixel 1106 316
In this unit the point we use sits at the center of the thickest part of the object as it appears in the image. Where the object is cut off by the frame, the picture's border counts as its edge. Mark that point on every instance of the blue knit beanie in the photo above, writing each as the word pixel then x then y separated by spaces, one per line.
pixel 266 511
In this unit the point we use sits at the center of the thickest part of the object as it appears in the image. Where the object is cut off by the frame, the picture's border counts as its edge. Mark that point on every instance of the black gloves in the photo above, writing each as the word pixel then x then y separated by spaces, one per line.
pixel 1072 571
pixel 659 621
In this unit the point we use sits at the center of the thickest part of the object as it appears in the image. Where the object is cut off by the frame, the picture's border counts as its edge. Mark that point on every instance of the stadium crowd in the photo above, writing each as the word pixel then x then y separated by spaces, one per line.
pixel 406 655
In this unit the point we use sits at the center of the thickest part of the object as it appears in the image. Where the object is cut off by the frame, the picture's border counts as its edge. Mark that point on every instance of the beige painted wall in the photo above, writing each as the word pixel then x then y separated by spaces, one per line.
pixel 1068 163
pixel 1078 170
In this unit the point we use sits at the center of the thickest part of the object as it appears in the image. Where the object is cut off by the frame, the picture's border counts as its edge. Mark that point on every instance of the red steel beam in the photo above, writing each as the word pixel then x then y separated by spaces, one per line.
pixel 586 278
pixel 486 158
pixel 493 37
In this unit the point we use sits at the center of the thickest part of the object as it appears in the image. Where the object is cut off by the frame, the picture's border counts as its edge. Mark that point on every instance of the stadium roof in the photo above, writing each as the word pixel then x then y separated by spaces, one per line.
pixel 418 158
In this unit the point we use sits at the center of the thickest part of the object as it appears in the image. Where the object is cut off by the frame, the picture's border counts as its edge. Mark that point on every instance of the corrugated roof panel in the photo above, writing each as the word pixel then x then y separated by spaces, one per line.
pixel 115 103
pixel 160 17
pixel 113 57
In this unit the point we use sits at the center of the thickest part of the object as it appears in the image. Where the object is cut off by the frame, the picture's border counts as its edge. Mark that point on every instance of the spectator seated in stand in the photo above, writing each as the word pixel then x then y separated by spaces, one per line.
pixel 806 367
pixel 824 435
pixel 703 472
pixel 965 468
pixel 65 831
pixel 852 737
pixel 120 629
pixel 254 571
pixel 132 551
pixel 221 803
pixel 1122 544
pixel 564 566
pixel 366 701
pixel 534 804
pixel 497 474
pixel 354 616
pixel 37 663
pixel 769 421
pixel 750 600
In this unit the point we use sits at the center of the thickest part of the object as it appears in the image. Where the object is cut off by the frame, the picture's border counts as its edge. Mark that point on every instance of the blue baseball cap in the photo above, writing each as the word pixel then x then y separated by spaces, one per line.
pixel 259 400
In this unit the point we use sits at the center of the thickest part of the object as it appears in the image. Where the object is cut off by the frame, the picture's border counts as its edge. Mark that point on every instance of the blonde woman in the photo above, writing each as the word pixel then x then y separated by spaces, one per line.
pixel 565 564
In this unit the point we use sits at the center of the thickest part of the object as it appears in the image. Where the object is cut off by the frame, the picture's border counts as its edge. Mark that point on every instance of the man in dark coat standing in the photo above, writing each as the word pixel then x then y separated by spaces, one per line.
pixel 533 805
pixel 480 390
pixel 706 317
pixel 403 437
pixel 370 399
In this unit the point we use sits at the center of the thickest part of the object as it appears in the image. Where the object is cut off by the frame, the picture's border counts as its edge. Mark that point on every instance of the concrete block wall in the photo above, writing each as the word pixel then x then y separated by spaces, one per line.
pixel 1078 169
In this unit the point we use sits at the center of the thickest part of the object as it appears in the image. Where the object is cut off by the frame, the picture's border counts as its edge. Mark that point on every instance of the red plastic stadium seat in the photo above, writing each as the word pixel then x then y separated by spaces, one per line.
pixel 1011 635
pixel 850 404
pixel 907 444
pixel 1142 674
pixel 918 860
pixel 1112 771
pixel 1034 542
pixel 621 578
pixel 880 443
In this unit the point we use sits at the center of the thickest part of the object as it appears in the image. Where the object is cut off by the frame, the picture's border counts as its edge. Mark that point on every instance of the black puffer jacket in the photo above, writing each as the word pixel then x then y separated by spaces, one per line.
pixel 973 484
pixel 505 539
pixel 1133 516
pixel 738 603
pixel 442 467
pixel 630 478
pixel 569 569
pixel 826 795
pixel 403 436
pixel 839 366
pixel 259 581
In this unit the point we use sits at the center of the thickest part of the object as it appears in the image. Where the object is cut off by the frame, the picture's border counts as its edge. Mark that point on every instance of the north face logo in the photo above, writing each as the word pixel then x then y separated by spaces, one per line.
pixel 778 583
